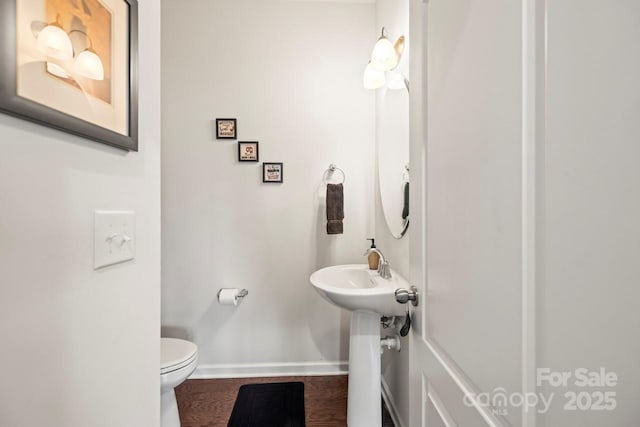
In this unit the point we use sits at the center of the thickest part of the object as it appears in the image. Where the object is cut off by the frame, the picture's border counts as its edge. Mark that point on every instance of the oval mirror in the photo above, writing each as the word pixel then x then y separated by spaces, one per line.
pixel 393 155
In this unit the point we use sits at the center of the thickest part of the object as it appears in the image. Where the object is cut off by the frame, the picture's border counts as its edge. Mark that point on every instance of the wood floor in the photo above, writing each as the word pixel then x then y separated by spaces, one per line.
pixel 208 403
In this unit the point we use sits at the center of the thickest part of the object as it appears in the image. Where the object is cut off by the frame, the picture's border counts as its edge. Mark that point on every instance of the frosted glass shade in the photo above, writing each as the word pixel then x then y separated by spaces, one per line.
pixel 384 57
pixel 54 42
pixel 397 82
pixel 57 70
pixel 373 79
pixel 89 65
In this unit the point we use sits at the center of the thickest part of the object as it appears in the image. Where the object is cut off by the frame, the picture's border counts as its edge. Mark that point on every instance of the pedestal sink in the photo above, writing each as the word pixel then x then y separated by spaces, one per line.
pixel 356 288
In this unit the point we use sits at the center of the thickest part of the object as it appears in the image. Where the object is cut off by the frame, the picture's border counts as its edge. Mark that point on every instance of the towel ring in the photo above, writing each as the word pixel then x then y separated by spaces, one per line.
pixel 332 168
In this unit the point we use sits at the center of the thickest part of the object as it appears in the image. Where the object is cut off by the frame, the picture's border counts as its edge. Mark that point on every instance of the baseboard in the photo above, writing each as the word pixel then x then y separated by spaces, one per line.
pixel 391 405
pixel 270 370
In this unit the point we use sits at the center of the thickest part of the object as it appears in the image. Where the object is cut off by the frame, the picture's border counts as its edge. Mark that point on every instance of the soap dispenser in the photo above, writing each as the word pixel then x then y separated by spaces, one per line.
pixel 374 257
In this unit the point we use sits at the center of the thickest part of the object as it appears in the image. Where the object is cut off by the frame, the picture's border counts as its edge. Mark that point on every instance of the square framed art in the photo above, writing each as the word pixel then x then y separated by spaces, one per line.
pixel 248 151
pixel 226 129
pixel 272 172
pixel 72 66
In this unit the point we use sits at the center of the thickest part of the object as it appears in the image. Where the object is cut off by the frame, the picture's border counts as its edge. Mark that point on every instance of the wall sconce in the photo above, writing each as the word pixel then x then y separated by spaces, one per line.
pixel 373 79
pixel 384 57
pixel 398 82
pixel 55 42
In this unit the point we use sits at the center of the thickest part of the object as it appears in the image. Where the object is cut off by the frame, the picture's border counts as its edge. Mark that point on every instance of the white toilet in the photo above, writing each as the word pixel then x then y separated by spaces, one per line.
pixel 178 359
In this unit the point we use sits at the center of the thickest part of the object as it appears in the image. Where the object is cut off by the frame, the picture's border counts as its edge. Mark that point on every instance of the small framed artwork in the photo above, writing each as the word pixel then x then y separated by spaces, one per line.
pixel 72 66
pixel 247 151
pixel 272 172
pixel 226 129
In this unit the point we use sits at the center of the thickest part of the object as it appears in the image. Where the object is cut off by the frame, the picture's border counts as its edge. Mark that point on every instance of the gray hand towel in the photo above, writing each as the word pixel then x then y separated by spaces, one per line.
pixel 335 208
pixel 405 201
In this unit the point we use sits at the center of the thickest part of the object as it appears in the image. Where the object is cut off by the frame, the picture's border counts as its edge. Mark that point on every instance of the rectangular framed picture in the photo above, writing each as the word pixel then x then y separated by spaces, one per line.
pixel 72 65
pixel 248 151
pixel 272 172
pixel 226 129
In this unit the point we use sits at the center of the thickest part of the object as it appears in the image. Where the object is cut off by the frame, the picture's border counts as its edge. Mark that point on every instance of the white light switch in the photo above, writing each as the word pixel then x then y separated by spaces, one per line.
pixel 114 237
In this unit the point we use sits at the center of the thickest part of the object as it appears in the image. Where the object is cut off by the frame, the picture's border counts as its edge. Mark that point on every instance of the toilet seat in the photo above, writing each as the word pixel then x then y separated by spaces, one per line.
pixel 176 354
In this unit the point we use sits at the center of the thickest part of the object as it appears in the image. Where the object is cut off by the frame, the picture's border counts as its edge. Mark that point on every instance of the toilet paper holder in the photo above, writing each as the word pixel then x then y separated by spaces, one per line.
pixel 241 293
pixel 236 294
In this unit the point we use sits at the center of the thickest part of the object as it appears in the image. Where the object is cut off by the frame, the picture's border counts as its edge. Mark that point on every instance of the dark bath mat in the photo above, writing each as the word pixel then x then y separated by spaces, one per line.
pixel 269 405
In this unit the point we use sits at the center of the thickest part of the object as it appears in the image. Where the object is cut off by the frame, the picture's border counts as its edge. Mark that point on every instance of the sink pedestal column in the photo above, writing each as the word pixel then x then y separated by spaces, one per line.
pixel 364 404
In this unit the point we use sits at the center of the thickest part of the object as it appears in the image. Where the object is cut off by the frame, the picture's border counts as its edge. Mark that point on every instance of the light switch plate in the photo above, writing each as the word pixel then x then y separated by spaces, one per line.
pixel 114 237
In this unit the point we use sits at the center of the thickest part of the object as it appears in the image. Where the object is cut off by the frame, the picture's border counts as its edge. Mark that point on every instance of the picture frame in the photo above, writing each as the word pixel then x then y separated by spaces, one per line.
pixel 248 151
pixel 67 88
pixel 272 172
pixel 226 129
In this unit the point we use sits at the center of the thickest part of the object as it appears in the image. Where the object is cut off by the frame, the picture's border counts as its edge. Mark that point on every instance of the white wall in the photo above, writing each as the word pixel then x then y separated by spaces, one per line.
pixel 394 16
pixel 80 347
pixel 291 73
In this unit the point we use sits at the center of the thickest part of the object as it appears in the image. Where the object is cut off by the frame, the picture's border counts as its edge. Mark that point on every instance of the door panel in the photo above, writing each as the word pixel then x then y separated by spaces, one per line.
pixel 437 414
pixel 474 188
pixel 472 305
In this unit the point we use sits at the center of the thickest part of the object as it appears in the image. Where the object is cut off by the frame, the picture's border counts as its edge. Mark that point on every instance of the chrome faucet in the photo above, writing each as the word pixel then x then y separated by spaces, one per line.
pixel 384 269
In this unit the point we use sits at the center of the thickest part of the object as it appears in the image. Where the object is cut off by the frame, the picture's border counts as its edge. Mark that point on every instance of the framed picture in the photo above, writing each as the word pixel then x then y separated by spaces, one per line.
pixel 226 129
pixel 272 172
pixel 247 151
pixel 72 65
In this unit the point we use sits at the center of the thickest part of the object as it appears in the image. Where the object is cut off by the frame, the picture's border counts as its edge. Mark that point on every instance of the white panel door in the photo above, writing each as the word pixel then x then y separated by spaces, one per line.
pixel 470 249
pixel 526 129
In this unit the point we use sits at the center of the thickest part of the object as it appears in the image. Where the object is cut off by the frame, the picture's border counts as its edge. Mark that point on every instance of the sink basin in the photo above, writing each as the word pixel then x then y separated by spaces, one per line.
pixel 354 287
